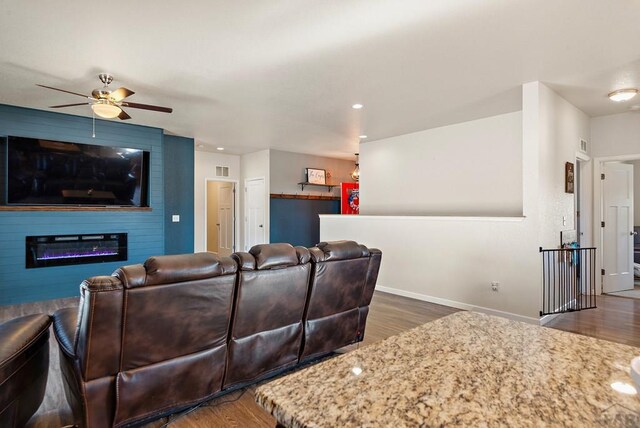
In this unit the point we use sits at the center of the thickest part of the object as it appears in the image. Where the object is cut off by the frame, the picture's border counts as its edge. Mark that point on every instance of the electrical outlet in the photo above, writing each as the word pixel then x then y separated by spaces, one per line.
pixel 494 285
pixel 175 218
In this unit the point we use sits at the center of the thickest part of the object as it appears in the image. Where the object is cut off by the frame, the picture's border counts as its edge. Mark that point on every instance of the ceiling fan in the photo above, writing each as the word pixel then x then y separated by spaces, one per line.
pixel 107 103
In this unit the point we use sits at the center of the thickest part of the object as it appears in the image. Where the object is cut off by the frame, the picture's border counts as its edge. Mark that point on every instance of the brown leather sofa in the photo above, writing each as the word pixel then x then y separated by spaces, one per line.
pixel 24 367
pixel 342 284
pixel 156 338
pixel 266 332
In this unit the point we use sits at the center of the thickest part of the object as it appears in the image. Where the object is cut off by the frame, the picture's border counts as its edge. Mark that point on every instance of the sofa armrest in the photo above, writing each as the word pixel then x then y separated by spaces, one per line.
pixel 65 324
pixel 17 335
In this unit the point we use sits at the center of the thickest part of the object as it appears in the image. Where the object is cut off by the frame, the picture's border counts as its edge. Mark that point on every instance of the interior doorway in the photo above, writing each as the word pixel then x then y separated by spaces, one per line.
pixel 620 224
pixel 220 217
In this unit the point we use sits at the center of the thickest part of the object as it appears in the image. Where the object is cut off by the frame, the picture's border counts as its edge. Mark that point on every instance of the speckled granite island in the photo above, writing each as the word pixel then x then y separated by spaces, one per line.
pixel 466 369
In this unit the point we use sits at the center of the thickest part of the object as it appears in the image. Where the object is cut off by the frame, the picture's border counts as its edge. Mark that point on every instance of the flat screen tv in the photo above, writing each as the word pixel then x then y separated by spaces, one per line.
pixel 45 172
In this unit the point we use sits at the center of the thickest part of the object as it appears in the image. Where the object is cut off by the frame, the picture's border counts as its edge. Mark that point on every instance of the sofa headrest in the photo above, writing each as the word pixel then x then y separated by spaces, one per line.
pixel 175 268
pixel 272 256
pixel 338 250
pixel 101 283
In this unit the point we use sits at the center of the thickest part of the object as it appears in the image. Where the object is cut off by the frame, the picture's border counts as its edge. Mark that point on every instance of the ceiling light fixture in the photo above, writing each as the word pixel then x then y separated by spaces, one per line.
pixel 357 106
pixel 220 148
pixel 355 175
pixel 103 109
pixel 362 137
pixel 622 94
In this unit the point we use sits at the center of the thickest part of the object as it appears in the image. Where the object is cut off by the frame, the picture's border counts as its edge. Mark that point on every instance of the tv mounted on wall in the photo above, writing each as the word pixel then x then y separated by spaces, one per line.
pixel 45 172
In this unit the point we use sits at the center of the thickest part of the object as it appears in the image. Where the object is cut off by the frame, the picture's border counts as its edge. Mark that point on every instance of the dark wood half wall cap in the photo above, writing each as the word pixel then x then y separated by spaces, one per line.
pixel 312 197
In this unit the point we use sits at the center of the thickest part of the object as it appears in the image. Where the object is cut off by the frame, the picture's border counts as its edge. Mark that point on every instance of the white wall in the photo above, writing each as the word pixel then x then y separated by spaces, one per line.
pixel 471 168
pixel 255 165
pixel 205 167
pixel 636 192
pixel 287 169
pixel 614 135
pixel 452 260
pixel 562 126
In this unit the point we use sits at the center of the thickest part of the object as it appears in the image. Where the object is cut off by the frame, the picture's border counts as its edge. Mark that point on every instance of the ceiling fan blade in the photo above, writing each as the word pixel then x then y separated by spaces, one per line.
pixel 69 105
pixel 63 90
pixel 147 107
pixel 120 94
pixel 123 115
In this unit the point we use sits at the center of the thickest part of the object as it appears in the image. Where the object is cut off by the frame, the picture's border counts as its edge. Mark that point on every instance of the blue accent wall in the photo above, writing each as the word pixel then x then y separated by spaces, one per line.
pixel 178 194
pixel 146 230
pixel 296 221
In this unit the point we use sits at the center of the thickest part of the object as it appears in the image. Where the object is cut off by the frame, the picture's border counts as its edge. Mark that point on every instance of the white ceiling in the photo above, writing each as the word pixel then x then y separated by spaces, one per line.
pixel 254 74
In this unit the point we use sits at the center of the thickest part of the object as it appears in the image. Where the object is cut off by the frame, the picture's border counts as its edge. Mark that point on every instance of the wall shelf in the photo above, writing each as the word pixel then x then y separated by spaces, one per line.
pixel 310 197
pixel 328 186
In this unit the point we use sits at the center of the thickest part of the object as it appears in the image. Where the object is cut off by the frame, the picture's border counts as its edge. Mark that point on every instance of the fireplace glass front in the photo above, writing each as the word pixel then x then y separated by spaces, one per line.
pixel 60 250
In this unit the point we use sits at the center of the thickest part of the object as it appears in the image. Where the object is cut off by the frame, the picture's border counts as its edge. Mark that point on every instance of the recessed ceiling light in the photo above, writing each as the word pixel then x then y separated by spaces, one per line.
pixel 220 148
pixel 623 94
pixel 362 137
pixel 357 106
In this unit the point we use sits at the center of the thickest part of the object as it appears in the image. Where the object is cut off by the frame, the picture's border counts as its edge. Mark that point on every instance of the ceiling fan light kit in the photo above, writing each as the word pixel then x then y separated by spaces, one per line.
pixel 106 110
pixel 622 94
pixel 107 103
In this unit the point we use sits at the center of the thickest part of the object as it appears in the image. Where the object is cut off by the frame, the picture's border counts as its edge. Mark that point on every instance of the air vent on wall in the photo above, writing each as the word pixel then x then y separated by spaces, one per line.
pixel 583 146
pixel 222 171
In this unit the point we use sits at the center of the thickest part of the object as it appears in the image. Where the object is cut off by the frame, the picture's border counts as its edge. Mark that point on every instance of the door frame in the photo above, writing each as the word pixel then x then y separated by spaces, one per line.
pixel 581 194
pixel 598 205
pixel 236 205
pixel 267 230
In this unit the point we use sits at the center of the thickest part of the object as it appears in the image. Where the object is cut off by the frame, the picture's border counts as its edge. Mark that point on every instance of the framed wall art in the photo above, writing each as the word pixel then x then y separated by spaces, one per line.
pixel 316 176
pixel 568 177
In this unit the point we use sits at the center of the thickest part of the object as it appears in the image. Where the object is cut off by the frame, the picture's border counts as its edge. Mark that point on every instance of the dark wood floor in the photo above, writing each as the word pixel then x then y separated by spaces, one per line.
pixel 616 319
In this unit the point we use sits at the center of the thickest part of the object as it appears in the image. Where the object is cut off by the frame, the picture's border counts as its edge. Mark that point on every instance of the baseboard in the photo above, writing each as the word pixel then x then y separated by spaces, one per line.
pixel 548 318
pixel 545 319
pixel 458 305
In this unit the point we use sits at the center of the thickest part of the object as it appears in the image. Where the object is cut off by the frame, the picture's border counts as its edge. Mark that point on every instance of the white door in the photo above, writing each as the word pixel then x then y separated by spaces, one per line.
pixel 617 236
pixel 225 219
pixel 255 213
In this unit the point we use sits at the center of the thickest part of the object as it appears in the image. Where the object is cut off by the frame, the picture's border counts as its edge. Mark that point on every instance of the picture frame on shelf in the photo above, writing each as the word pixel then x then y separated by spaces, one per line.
pixel 316 176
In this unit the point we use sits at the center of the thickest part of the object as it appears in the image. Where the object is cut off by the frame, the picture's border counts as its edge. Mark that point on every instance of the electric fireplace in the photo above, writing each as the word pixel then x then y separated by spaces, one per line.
pixel 60 250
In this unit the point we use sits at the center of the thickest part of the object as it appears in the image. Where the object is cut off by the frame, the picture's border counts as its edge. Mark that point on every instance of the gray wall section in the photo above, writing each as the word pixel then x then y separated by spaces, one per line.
pixel 296 220
pixel 287 170
pixel 145 229
pixel 178 194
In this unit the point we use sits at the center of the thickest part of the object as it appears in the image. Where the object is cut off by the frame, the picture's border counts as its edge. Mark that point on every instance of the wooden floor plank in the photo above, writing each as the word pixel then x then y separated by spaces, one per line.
pixel 616 319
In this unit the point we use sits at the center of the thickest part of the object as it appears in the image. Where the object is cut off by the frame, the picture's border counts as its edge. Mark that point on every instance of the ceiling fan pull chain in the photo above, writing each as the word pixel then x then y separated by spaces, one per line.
pixel 94 123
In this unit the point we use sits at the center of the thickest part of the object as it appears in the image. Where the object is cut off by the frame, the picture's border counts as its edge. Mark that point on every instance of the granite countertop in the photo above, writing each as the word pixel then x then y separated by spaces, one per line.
pixel 466 369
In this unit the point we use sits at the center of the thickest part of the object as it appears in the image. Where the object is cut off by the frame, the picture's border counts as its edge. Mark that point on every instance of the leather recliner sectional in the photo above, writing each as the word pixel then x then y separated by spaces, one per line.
pixel 156 338
pixel 24 368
